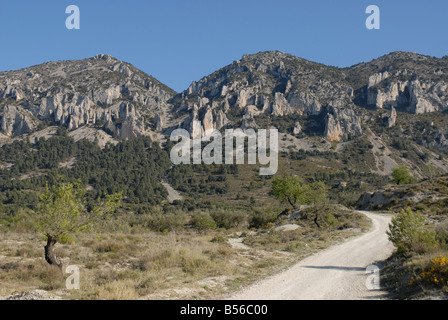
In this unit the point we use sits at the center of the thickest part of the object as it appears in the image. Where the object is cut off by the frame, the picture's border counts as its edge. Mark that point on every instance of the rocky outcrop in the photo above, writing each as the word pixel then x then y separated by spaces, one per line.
pixel 399 197
pixel 248 121
pixel 377 78
pixel 16 121
pixel 414 96
pixel 392 119
pixel 375 200
pixel 200 125
pixel 32 295
pixel 333 130
pixel 275 84
pixel 297 128
pixel 415 90
pixel 97 91
pixel 341 124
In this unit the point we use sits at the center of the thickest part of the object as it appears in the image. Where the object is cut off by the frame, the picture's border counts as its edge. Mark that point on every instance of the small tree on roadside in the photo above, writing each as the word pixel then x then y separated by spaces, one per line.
pixel 62 212
pixel 317 196
pixel 408 232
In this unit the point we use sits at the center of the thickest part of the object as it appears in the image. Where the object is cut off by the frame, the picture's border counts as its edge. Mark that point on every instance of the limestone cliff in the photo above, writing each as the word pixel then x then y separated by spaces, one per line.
pixel 101 91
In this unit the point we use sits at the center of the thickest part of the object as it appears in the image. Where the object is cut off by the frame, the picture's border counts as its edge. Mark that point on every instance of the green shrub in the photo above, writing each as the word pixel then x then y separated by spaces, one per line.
pixel 436 273
pixel 409 233
pixel 260 218
pixel 218 239
pixel 166 222
pixel 442 235
pixel 228 218
pixel 401 175
pixel 331 220
pixel 202 221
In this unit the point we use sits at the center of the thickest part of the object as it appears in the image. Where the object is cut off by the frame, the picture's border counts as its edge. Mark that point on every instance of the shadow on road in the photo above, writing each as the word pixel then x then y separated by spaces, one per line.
pixel 336 268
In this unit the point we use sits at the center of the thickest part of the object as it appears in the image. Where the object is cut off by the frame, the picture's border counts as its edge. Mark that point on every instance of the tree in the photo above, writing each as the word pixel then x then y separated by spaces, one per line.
pixel 401 175
pixel 62 212
pixel 289 190
pixel 317 195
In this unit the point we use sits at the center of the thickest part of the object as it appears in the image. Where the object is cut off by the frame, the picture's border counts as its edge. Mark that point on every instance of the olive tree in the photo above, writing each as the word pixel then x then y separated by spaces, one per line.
pixel 289 189
pixel 317 196
pixel 62 212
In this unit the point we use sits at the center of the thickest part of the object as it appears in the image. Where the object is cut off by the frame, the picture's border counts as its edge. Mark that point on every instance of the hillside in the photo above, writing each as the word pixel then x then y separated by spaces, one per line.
pixel 100 91
pixel 104 124
pixel 348 127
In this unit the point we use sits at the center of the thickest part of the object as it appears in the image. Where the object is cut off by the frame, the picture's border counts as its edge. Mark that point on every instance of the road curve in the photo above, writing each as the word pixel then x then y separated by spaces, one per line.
pixel 337 273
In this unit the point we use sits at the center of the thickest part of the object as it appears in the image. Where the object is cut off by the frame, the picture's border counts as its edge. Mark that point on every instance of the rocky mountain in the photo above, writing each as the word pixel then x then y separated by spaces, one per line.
pixel 349 127
pixel 100 91
pixel 277 84
pixel 272 83
pixel 331 102
pixel 410 82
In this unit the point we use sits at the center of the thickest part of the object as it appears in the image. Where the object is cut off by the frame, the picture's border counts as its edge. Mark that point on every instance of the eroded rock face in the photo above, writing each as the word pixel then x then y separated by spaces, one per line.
pixel 211 120
pixel 416 96
pixel 104 91
pixel 16 121
pixel 333 130
pixel 392 119
pixel 99 90
pixel 407 81
pixel 271 83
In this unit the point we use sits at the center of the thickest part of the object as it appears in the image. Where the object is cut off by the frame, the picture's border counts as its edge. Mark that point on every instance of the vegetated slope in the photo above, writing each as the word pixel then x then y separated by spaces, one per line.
pixel 429 196
pixel 418 269
pixel 135 167
pixel 374 116
pixel 349 127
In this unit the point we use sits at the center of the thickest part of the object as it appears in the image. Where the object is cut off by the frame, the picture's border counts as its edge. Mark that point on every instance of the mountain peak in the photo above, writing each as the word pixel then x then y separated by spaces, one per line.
pixel 106 57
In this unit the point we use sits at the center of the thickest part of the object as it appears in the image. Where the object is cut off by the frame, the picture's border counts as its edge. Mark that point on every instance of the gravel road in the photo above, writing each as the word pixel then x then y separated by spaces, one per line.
pixel 337 273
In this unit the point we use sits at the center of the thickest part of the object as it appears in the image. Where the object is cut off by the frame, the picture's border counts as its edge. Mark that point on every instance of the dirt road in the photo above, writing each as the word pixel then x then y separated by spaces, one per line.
pixel 337 273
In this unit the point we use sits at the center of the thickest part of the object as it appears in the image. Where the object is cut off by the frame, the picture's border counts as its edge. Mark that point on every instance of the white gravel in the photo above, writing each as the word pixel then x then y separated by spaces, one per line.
pixel 337 273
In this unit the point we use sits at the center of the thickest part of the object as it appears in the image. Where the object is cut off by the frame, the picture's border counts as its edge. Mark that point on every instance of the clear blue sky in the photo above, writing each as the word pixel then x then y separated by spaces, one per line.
pixel 180 41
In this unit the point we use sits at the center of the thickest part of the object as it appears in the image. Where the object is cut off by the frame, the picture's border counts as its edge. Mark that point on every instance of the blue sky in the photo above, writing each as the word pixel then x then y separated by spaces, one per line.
pixel 180 41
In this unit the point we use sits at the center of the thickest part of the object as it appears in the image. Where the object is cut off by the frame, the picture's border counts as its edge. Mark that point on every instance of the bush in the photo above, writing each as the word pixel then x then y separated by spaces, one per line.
pixel 409 233
pixel 228 219
pixel 436 272
pixel 442 235
pixel 260 218
pixel 166 222
pixel 331 220
pixel 202 221
pixel 219 239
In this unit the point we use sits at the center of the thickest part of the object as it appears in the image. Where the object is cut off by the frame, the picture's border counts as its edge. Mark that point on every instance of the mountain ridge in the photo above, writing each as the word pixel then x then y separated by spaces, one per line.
pixel 126 102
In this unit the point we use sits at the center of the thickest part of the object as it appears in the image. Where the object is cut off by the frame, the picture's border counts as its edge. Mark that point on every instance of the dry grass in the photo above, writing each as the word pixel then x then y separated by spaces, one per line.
pixel 140 264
